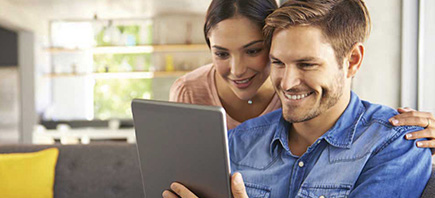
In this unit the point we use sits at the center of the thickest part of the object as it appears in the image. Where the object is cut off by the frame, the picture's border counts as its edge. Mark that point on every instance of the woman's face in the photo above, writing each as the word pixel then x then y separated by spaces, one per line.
pixel 239 55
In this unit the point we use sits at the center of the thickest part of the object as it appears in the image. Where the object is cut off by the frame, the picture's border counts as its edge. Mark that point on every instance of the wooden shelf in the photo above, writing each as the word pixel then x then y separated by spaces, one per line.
pixel 135 49
pixel 122 75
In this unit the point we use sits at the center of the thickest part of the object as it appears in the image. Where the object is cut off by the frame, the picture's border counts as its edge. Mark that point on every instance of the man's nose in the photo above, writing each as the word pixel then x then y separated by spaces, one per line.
pixel 291 78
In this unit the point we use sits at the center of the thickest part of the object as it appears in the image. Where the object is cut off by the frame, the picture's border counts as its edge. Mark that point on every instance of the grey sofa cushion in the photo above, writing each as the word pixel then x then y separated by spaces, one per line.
pixel 429 191
pixel 95 170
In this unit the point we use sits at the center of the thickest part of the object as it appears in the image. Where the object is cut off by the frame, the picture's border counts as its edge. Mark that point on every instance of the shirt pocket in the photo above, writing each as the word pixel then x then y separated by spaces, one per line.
pixel 324 190
pixel 257 191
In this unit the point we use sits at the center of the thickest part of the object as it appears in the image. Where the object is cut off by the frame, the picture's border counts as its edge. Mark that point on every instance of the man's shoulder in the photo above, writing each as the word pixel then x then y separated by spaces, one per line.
pixel 374 137
pixel 377 130
pixel 376 114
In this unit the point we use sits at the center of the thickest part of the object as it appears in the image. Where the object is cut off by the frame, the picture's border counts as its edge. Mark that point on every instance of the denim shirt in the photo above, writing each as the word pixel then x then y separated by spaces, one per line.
pixel 362 155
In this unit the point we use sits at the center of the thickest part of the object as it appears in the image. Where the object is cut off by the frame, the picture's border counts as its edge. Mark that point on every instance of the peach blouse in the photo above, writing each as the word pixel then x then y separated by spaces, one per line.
pixel 199 87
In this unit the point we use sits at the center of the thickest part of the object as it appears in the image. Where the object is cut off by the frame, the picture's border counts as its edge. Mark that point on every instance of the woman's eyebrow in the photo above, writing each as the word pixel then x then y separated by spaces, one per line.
pixel 219 47
pixel 252 43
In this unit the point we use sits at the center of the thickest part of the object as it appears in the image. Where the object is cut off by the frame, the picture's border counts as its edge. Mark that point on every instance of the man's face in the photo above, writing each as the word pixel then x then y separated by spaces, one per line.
pixel 305 73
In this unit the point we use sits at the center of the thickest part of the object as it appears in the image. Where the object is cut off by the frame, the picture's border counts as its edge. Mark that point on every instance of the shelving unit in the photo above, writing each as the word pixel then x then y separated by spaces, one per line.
pixel 135 49
pixel 123 75
pixel 102 64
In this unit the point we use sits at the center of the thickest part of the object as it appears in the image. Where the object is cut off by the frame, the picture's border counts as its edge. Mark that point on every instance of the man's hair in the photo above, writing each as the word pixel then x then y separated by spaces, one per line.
pixel 255 10
pixel 343 22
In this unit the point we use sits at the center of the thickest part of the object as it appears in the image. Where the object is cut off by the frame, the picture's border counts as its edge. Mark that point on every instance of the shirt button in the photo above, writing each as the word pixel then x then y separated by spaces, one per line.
pixel 301 164
pixel 322 196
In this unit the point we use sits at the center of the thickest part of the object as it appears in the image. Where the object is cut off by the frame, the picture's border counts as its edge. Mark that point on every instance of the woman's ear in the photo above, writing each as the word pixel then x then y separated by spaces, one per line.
pixel 355 59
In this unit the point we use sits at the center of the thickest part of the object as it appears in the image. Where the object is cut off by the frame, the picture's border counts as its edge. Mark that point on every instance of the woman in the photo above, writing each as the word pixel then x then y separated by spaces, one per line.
pixel 238 80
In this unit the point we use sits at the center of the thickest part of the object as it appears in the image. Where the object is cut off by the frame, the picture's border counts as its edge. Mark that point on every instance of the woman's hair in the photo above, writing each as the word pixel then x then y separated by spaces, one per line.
pixel 254 10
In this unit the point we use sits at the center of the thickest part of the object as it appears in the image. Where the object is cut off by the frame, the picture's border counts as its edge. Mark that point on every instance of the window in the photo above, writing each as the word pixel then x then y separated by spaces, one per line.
pixel 418 68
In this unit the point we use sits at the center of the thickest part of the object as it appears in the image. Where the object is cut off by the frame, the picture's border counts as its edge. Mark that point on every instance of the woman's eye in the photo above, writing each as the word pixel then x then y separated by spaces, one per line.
pixel 253 51
pixel 221 54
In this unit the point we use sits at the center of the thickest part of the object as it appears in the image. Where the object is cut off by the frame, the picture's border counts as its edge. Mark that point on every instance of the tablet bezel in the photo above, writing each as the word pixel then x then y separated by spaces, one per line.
pixel 182 142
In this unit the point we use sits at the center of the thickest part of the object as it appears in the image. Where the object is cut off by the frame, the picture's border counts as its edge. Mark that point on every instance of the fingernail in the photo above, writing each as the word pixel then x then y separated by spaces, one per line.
pixel 174 186
pixel 238 179
pixel 408 136
pixel 419 144
pixel 395 122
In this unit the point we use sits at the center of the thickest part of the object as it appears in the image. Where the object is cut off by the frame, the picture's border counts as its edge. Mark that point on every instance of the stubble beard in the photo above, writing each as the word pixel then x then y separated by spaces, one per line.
pixel 329 98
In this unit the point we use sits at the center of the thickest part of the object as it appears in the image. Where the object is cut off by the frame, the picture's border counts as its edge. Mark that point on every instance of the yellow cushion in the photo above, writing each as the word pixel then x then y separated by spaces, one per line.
pixel 24 175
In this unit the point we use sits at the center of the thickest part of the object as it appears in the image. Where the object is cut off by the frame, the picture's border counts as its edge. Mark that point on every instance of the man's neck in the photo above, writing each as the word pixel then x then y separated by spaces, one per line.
pixel 304 134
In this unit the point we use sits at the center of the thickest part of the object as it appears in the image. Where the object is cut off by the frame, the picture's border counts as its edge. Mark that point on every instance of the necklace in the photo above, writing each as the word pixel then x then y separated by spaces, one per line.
pixel 249 101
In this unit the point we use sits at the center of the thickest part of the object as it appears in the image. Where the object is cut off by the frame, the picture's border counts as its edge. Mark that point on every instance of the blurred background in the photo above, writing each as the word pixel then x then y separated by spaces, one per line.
pixel 69 69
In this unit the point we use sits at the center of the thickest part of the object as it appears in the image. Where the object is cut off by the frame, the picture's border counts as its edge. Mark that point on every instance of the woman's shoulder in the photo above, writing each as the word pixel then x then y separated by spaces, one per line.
pixel 195 83
pixel 202 73
pixel 199 76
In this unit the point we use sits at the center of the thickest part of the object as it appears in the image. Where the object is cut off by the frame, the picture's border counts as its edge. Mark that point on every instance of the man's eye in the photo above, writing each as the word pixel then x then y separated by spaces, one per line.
pixel 253 51
pixel 307 65
pixel 276 62
pixel 221 54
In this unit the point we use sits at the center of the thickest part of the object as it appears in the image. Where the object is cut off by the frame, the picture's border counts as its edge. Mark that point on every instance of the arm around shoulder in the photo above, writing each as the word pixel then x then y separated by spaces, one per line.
pixel 397 169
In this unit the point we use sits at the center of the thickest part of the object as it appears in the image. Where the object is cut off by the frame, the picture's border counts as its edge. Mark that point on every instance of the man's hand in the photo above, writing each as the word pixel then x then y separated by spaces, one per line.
pixel 237 188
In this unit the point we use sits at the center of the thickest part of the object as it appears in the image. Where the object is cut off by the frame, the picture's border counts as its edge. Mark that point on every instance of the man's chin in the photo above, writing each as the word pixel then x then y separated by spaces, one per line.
pixel 294 117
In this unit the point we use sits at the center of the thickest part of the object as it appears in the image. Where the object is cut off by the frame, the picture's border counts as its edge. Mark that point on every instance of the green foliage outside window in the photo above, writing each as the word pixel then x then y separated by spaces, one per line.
pixel 121 62
pixel 112 97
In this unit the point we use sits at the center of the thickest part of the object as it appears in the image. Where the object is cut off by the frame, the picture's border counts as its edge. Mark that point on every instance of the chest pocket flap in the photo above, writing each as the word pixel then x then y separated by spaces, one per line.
pixel 257 191
pixel 324 190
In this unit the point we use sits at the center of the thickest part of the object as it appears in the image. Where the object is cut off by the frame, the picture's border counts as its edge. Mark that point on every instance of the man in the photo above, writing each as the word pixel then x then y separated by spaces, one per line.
pixel 325 142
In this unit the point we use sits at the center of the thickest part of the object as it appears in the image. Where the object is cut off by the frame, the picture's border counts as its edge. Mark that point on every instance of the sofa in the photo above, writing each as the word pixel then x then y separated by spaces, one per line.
pixel 106 170
pixel 109 170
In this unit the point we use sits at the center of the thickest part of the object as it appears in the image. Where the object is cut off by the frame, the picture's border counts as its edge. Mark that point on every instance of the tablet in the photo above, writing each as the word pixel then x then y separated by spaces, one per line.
pixel 184 143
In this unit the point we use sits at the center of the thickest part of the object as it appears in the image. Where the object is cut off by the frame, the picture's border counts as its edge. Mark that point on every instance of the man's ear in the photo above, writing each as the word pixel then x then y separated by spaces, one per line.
pixel 355 59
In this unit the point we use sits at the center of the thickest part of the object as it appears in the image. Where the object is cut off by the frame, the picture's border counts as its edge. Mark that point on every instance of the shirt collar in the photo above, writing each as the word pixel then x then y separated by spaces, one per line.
pixel 280 136
pixel 340 135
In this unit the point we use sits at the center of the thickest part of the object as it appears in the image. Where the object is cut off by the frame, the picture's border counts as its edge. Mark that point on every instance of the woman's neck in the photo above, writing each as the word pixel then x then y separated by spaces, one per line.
pixel 239 109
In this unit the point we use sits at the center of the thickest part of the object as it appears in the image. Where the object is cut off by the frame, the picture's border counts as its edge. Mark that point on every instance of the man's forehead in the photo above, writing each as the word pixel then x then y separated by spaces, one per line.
pixel 299 41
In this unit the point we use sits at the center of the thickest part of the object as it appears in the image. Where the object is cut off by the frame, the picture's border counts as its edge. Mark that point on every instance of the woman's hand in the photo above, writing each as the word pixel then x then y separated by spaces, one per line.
pixel 237 188
pixel 426 120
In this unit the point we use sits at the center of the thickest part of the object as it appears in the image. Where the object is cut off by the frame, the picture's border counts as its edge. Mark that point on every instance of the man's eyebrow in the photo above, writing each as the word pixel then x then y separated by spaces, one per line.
pixel 272 57
pixel 252 43
pixel 306 59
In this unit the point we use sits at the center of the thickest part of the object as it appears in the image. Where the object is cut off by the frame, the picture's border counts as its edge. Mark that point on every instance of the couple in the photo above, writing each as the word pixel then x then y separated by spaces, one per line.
pixel 324 141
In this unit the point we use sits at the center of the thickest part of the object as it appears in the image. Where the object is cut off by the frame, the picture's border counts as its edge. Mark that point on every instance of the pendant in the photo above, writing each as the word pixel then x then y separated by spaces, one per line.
pixel 249 101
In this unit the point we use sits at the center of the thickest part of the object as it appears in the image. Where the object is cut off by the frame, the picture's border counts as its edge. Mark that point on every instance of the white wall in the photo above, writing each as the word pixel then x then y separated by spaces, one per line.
pixel 378 80
pixel 9 105
pixel 16 18
pixel 427 64
pixel 29 26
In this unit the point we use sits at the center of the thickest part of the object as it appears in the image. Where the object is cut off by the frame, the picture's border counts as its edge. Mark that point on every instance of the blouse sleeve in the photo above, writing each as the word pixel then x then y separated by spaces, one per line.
pixel 179 93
